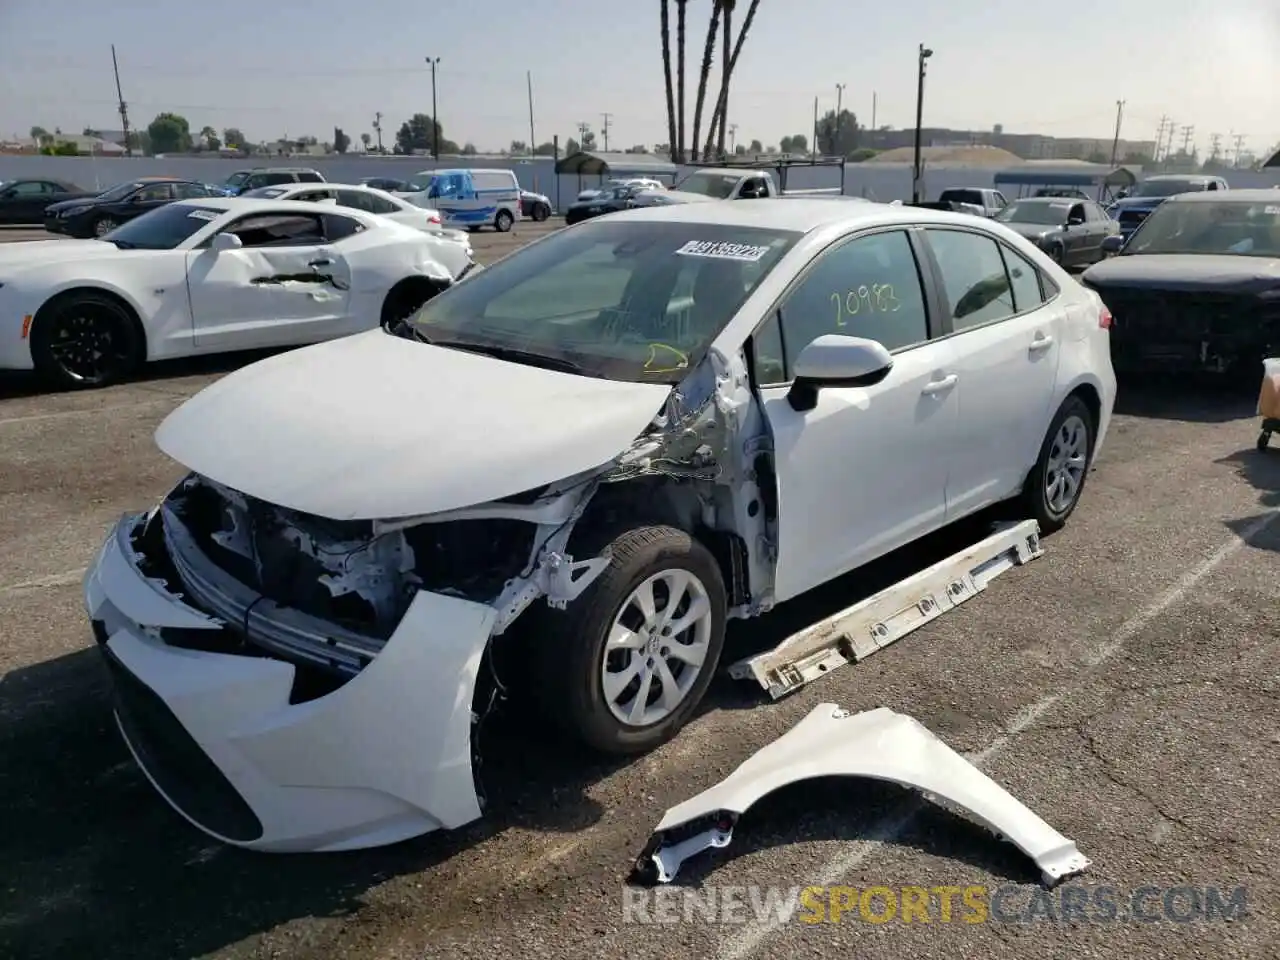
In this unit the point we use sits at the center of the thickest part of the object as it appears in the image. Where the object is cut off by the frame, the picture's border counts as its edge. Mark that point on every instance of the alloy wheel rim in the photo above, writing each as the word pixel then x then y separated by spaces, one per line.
pixel 1064 472
pixel 86 346
pixel 656 647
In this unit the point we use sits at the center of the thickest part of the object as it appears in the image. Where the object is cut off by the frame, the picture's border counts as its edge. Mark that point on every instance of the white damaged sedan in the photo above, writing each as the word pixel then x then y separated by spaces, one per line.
pixel 209 276
pixel 591 455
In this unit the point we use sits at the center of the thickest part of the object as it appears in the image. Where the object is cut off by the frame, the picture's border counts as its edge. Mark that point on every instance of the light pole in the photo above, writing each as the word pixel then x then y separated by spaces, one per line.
pixel 839 101
pixel 925 54
pixel 435 121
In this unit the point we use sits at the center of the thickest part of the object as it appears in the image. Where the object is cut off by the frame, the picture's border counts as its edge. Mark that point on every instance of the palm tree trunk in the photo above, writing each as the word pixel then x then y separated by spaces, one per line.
pixel 726 47
pixel 666 69
pixel 708 51
pixel 680 128
pixel 718 116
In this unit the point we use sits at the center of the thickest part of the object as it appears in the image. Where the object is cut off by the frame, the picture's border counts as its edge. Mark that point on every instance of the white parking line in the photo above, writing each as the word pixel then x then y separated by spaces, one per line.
pixel 54 580
pixel 32 417
pixel 891 828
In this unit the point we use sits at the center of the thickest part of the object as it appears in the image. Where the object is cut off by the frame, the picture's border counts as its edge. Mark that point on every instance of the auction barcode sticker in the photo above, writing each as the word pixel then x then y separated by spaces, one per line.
pixel 749 253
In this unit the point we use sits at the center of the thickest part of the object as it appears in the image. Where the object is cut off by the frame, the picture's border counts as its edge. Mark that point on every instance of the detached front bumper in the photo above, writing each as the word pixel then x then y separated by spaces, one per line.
pixel 384 757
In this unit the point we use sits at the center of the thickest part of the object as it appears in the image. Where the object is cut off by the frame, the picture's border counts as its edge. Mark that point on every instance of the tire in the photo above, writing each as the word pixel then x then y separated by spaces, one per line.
pixel 403 301
pixel 540 212
pixel 1072 430
pixel 86 340
pixel 104 225
pixel 1057 254
pixel 570 662
pixel 503 221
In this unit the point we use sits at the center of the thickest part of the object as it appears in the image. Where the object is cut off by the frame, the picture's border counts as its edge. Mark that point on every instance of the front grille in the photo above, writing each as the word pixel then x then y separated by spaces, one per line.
pixel 1193 330
pixel 173 759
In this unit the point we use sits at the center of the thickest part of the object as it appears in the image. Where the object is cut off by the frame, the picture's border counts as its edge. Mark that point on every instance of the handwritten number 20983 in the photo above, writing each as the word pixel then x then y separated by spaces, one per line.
pixel 868 298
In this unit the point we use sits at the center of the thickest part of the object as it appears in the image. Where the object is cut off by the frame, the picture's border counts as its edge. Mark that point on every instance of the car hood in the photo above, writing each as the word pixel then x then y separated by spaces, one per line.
pixel 1032 231
pixel 32 253
pixel 655 197
pixel 87 200
pixel 1186 272
pixel 376 426
pixel 1138 203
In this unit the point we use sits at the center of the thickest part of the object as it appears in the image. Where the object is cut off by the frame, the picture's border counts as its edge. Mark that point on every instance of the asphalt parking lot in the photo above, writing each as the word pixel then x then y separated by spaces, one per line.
pixel 1124 687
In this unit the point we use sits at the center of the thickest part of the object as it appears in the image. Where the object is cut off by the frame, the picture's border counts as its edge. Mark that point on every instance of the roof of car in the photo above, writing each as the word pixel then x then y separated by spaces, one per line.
pixel 799 214
pixel 280 170
pixel 1188 177
pixel 1254 195
pixel 249 204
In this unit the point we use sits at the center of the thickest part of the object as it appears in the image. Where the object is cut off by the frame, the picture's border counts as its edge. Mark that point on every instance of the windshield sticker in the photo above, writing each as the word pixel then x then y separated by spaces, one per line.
pixel 203 215
pixel 746 252
pixel 1271 211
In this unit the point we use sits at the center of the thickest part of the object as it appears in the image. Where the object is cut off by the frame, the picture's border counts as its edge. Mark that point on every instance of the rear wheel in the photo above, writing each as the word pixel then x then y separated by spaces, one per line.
pixel 624 666
pixel 1055 483
pixel 86 340
pixel 540 212
pixel 1056 252
pixel 503 221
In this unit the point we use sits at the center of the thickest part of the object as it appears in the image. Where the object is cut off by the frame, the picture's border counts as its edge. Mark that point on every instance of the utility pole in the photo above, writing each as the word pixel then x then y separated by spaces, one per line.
pixel 733 135
pixel 839 101
pixel 1187 132
pixel 377 128
pixel 533 140
pixel 1164 121
pixel 813 146
pixel 583 129
pixel 1115 142
pixel 1168 140
pixel 435 121
pixel 124 109
pixel 916 172
pixel 1239 140
pixel 608 117
pixel 873 112
pixel 1215 146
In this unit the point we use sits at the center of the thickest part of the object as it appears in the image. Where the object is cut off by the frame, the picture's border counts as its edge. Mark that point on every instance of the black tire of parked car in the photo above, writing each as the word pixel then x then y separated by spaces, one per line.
pixel 1057 253
pixel 103 225
pixel 1035 503
pixel 83 339
pixel 540 212
pixel 568 646
pixel 503 221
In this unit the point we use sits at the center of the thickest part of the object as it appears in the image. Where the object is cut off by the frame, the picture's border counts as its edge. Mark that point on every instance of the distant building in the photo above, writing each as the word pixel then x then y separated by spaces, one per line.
pixel 1028 146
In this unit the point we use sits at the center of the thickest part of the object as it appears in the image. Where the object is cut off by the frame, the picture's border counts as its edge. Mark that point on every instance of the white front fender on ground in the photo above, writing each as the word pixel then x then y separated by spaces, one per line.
pixel 879 744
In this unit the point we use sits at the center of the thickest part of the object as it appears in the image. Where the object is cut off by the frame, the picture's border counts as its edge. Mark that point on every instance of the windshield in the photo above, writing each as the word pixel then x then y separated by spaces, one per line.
pixel 420 182
pixel 237 178
pixel 1021 211
pixel 1225 226
pixel 266 193
pixel 1166 188
pixel 717 185
pixel 162 228
pixel 120 191
pixel 625 301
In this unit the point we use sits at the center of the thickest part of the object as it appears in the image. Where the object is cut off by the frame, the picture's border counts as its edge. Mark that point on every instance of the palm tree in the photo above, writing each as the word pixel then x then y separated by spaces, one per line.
pixel 680 19
pixel 708 51
pixel 666 70
pixel 718 116
pixel 725 48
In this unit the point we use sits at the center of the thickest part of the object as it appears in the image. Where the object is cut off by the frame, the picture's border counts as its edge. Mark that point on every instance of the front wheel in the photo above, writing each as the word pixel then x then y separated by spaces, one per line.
pixel 540 212
pixel 1053 488
pixel 503 221
pixel 624 666
pixel 85 340
pixel 1056 252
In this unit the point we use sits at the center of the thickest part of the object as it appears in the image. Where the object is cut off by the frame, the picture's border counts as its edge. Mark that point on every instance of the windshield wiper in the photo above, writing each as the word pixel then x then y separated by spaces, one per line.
pixel 515 355
pixel 124 245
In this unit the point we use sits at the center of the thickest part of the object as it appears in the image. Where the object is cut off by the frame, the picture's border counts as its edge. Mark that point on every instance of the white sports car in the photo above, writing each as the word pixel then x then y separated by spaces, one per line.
pixel 209 276
pixel 358 197
pixel 586 458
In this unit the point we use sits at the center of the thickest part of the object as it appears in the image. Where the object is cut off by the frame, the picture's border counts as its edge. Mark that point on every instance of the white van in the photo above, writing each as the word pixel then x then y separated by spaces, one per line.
pixel 468 198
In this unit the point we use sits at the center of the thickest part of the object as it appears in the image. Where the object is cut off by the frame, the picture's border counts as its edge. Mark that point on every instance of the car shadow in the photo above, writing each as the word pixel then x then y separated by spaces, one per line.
pixel 1261 470
pixel 96 865
pixel 19 384
pixel 854 809
pixel 1189 399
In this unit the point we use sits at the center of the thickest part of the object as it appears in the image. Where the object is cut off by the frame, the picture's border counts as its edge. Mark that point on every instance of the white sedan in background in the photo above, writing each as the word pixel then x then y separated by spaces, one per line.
pixel 357 197
pixel 209 276
pixel 591 456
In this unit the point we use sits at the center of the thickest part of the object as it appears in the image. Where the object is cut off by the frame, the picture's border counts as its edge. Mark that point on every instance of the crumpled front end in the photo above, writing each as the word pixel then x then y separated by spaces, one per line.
pixel 335 715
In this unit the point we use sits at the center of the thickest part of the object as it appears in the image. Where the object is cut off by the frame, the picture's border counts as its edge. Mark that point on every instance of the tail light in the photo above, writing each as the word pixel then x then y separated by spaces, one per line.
pixel 1105 319
pixel 434 218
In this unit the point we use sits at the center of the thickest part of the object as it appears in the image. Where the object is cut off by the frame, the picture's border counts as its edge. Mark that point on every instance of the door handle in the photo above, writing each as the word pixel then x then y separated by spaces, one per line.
pixel 940 386
pixel 1041 342
pixel 322 262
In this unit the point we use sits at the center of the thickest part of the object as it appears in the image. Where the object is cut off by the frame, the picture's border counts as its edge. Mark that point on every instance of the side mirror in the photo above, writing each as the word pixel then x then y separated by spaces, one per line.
pixel 833 360
pixel 1074 222
pixel 226 241
pixel 1113 243
pixel 1121 194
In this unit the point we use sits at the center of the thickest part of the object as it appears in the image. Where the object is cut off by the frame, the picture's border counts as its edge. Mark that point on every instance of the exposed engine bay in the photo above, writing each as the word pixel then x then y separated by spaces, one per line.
pixel 327 593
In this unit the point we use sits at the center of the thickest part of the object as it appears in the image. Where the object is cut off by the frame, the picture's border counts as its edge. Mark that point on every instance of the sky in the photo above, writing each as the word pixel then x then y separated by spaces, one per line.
pixel 274 70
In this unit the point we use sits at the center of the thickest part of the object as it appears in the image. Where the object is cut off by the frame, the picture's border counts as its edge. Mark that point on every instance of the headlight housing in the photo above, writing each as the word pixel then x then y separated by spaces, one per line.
pixel 72 212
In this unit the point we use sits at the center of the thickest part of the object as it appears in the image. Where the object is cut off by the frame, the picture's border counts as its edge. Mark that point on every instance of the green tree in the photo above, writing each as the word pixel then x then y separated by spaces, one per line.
pixel 90 132
pixel 518 148
pixel 665 20
pixel 233 139
pixel 209 139
pixel 862 154
pixel 798 143
pixel 547 149
pixel 756 147
pixel 571 146
pixel 589 140
pixel 365 140
pixel 38 133
pixel 169 133
pixel 831 145
pixel 708 52
pixel 419 132
pixel 341 142
pixel 469 149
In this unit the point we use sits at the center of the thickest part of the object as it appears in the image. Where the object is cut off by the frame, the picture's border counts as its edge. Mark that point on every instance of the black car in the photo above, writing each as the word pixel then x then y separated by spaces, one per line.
pixel 1196 288
pixel 609 200
pixel 22 202
pixel 1069 230
pixel 99 215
